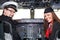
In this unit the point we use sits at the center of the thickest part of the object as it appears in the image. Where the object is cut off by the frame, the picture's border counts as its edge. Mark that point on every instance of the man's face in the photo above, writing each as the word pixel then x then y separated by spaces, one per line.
pixel 9 12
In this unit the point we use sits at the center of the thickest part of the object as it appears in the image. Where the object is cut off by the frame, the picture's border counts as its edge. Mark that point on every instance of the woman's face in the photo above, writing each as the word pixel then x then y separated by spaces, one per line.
pixel 48 17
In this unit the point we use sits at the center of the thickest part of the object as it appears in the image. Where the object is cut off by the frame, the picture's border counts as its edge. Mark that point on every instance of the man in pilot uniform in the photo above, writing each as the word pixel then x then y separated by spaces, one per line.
pixel 9 8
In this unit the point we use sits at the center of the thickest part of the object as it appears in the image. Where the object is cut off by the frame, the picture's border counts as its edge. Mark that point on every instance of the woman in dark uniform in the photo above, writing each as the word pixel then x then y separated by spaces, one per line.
pixel 51 23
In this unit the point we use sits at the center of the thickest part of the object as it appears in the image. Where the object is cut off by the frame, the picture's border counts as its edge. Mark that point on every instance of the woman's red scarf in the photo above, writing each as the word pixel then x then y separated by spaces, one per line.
pixel 48 31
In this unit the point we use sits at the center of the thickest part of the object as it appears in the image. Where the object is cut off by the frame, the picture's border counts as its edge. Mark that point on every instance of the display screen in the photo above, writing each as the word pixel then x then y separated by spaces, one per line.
pixel 30 28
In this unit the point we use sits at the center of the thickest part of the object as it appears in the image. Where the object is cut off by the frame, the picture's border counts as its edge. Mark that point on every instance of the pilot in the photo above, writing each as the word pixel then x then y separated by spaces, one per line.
pixel 9 8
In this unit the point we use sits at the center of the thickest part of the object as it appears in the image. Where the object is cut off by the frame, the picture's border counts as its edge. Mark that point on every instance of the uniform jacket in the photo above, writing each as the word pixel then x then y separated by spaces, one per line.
pixel 7 28
pixel 55 29
pixel 9 20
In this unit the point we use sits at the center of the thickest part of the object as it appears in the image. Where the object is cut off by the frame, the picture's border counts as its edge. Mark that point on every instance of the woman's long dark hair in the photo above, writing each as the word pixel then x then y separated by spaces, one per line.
pixel 55 18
